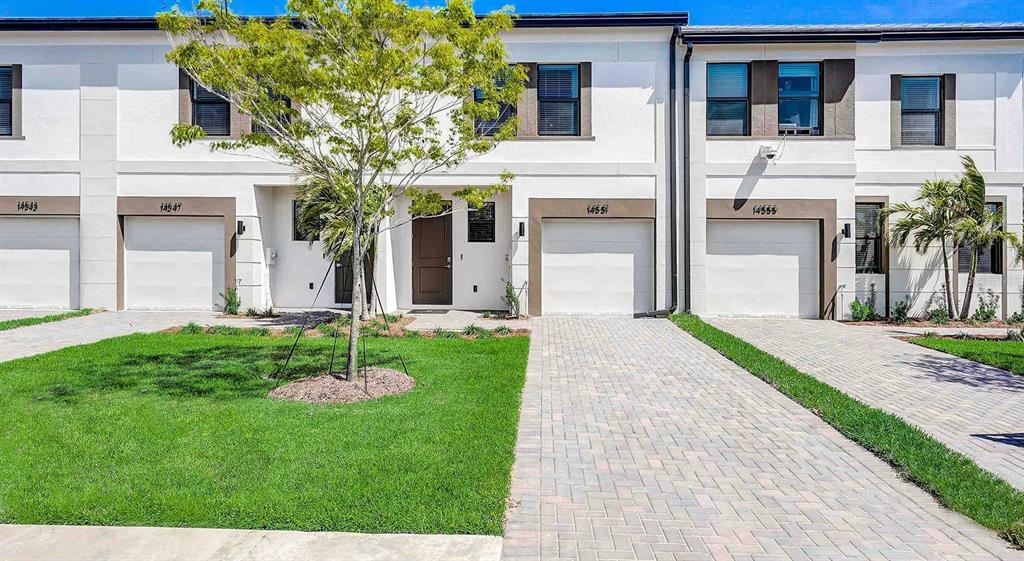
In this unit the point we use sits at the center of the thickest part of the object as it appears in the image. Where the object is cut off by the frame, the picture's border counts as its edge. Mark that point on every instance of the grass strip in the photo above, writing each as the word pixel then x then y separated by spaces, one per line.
pixel 952 478
pixel 25 322
pixel 1008 355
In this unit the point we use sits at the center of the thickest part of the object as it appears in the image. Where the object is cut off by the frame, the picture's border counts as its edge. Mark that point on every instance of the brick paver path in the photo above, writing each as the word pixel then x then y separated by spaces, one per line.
pixel 975 409
pixel 638 442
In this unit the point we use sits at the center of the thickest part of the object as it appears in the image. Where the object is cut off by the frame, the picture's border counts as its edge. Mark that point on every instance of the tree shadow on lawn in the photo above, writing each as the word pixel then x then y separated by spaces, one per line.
pixel 219 371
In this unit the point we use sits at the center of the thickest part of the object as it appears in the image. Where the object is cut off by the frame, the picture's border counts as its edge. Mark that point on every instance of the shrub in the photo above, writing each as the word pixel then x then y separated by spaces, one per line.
pixel 257 331
pixel 901 312
pixel 445 334
pixel 988 301
pixel 865 311
pixel 232 302
pixel 413 334
pixel 476 331
pixel 502 330
pixel 938 316
pixel 512 299
pixel 936 310
pixel 1017 317
pixel 225 330
pixel 192 329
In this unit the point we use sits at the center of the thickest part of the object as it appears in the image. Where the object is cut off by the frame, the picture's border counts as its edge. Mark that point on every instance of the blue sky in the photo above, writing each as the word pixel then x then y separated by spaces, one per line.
pixel 704 12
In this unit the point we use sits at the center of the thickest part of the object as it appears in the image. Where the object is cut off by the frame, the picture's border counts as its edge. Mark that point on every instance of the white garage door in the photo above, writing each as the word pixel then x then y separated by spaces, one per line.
pixel 762 268
pixel 598 266
pixel 173 263
pixel 39 262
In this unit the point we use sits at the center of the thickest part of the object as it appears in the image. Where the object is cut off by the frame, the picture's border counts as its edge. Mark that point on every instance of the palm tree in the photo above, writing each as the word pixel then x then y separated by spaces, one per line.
pixel 978 227
pixel 932 219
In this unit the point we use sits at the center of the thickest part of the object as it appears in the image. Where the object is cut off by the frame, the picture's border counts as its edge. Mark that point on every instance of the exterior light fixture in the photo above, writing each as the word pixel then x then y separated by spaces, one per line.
pixel 846 231
pixel 522 229
pixel 240 228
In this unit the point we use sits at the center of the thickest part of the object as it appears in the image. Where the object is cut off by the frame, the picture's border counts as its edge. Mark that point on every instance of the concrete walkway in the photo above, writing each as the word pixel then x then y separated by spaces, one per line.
pixel 457 320
pixel 975 409
pixel 638 442
pixel 82 543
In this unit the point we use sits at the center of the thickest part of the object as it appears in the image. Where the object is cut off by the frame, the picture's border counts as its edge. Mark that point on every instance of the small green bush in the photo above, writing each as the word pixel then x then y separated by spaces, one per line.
pixel 901 312
pixel 232 302
pixel 1016 317
pixel 476 331
pixel 257 332
pixel 865 311
pixel 410 334
pixel 988 301
pixel 225 330
pixel 502 330
pixel 445 334
pixel 938 316
pixel 192 329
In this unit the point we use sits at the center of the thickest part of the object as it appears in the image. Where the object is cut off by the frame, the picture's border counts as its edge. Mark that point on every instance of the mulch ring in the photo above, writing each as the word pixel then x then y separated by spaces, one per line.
pixel 327 388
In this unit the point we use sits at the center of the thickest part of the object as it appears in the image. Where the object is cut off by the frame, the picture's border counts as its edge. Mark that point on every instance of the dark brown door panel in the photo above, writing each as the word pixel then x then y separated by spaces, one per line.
pixel 432 260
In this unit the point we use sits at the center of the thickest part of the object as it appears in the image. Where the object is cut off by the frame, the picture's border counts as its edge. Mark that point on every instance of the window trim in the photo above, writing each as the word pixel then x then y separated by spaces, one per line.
pixel 820 98
pixel 577 101
pixel 879 241
pixel 493 222
pixel 940 112
pixel 708 98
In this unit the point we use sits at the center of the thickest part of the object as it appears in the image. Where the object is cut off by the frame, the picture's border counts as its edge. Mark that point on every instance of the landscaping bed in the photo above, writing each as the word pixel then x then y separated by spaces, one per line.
pixel 952 478
pixel 928 324
pixel 999 352
pixel 177 429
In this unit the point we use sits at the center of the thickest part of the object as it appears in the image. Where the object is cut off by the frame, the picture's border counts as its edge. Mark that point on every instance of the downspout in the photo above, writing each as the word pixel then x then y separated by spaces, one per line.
pixel 686 176
pixel 672 164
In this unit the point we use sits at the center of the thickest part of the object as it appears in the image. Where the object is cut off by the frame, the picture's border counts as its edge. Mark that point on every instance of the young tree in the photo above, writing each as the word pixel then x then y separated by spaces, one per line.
pixel 362 99
pixel 931 219
pixel 977 227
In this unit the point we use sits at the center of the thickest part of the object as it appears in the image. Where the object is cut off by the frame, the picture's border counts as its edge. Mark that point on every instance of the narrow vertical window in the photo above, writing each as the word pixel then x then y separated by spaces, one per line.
pixel 558 98
pixel 869 238
pixel 297 234
pixel 990 259
pixel 6 101
pixel 210 111
pixel 284 118
pixel 728 99
pixel 921 110
pixel 481 223
pixel 800 98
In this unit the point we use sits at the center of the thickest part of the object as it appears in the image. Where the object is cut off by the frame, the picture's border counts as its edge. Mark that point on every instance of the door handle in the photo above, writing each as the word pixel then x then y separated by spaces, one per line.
pixel 448 263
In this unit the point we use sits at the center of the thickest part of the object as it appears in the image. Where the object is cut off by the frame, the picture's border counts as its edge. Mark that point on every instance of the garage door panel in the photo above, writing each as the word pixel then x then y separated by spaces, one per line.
pixel 173 263
pixel 39 262
pixel 763 268
pixel 597 266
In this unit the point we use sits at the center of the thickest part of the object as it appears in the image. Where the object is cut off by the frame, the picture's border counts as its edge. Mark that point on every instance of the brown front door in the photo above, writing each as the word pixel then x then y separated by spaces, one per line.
pixel 432 260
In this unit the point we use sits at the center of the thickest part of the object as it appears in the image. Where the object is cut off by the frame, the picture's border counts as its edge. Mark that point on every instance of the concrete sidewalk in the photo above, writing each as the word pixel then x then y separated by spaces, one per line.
pixel 101 543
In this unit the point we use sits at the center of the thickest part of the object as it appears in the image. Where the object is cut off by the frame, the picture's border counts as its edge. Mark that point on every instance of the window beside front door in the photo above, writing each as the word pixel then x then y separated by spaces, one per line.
pixel 6 100
pixel 298 235
pixel 558 99
pixel 728 99
pixel 921 110
pixel 481 223
pixel 990 259
pixel 800 98
pixel 869 238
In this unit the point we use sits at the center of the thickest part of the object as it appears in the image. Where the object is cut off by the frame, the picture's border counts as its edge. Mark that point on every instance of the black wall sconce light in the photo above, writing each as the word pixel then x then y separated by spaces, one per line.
pixel 846 231
pixel 522 229
pixel 240 228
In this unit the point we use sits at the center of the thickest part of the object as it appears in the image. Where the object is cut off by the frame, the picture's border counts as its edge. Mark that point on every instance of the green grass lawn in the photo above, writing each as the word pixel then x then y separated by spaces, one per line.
pixel 175 430
pixel 954 479
pixel 1008 355
pixel 23 322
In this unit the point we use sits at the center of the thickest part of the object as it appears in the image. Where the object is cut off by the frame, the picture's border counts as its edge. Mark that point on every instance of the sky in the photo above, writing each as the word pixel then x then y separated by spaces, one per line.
pixel 702 12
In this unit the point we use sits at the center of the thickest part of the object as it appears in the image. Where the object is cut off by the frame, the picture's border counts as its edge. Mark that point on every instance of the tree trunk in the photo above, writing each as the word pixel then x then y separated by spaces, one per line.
pixel 357 299
pixel 364 313
pixel 971 273
pixel 951 306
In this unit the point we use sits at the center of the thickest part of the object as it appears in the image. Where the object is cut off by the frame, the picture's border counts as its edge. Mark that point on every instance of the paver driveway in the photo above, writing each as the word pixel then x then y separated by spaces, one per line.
pixel 975 409
pixel 638 442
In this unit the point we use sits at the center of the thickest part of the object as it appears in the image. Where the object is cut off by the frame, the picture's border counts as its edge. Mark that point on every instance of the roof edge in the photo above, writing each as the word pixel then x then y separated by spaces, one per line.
pixel 526 21
pixel 851 33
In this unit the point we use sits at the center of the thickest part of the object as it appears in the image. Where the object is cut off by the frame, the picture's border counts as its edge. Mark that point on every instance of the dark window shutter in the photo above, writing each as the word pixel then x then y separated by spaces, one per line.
pixel 840 98
pixel 764 98
pixel 949 110
pixel 6 101
pixel 895 111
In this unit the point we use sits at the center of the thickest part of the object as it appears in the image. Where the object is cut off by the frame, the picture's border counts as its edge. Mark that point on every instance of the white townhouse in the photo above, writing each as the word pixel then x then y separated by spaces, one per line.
pixel 730 171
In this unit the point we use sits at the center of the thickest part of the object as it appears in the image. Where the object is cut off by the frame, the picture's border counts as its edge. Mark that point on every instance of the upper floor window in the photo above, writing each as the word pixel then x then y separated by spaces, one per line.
pixel 921 110
pixel 800 98
pixel 728 99
pixel 6 101
pixel 990 259
pixel 869 238
pixel 490 127
pixel 481 223
pixel 284 118
pixel 558 99
pixel 210 111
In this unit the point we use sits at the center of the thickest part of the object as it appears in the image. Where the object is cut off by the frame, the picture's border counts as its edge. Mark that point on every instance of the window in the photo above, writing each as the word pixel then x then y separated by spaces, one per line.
pixel 490 127
pixel 990 259
pixel 481 223
pixel 6 101
pixel 558 98
pixel 284 118
pixel 869 238
pixel 210 111
pixel 800 98
pixel 728 102
pixel 296 234
pixel 921 110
